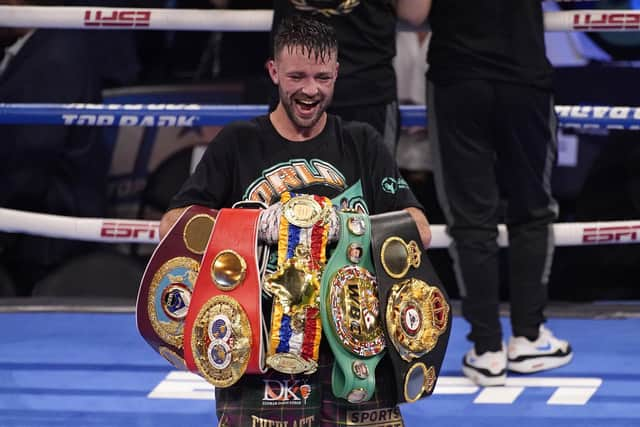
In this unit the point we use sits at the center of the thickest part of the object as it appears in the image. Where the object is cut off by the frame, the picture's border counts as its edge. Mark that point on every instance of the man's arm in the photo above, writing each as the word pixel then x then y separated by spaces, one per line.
pixel 423 225
pixel 413 11
pixel 168 219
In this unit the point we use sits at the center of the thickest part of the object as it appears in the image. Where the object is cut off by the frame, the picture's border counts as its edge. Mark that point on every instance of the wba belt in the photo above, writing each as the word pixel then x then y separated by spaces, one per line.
pixel 223 336
pixel 414 304
pixel 295 321
pixel 350 311
pixel 167 283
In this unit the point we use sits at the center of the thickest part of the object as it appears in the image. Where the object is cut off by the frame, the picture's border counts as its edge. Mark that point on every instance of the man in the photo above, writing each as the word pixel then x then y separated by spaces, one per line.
pixel 492 131
pixel 366 32
pixel 299 147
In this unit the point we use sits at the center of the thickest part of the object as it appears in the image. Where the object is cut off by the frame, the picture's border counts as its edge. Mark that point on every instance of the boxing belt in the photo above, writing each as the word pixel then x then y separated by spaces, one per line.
pixel 223 336
pixel 414 304
pixel 350 311
pixel 167 284
pixel 296 329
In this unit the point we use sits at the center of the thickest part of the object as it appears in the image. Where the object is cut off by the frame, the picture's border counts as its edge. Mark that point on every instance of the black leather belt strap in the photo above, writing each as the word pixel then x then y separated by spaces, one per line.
pixel 413 302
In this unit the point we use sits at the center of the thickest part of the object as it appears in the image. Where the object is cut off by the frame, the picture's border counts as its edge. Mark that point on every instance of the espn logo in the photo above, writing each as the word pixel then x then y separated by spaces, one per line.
pixel 606 21
pixel 117 18
pixel 627 233
pixel 128 230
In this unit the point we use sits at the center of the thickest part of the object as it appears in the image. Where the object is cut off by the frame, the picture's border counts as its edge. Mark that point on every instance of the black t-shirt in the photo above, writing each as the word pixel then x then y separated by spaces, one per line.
pixel 366 33
pixel 500 40
pixel 249 160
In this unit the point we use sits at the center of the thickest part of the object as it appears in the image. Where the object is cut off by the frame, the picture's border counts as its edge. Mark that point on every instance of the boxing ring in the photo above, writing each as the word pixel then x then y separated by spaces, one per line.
pixel 85 378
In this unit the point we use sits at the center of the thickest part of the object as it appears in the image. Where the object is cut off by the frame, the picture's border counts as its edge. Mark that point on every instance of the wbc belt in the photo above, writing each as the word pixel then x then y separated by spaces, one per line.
pixel 350 311
pixel 223 337
pixel 167 283
pixel 416 309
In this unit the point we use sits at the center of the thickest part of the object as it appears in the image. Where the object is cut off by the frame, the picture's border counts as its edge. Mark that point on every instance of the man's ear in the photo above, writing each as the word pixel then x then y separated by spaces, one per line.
pixel 273 71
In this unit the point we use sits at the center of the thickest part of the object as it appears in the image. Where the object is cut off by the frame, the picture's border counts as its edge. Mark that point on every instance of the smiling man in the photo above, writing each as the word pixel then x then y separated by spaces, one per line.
pixel 300 148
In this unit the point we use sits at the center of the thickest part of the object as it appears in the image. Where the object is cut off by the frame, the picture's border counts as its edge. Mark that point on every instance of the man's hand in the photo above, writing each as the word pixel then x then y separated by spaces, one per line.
pixel 168 219
pixel 423 225
pixel 413 11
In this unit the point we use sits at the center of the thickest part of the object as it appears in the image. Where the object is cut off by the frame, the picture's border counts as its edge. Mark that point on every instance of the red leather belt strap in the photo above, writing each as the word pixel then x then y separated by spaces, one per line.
pixel 223 329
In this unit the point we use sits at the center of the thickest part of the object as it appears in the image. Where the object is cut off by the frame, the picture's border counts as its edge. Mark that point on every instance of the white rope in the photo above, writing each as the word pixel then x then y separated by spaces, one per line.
pixel 87 229
pixel 140 231
pixel 592 20
pixel 109 18
pixel 79 17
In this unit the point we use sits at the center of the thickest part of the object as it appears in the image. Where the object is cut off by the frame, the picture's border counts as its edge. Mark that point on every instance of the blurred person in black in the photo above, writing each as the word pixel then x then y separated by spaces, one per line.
pixel 49 169
pixel 366 30
pixel 492 129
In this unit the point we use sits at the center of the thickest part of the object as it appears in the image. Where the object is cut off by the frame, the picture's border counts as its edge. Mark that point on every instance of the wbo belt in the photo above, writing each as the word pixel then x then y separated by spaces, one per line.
pixel 167 284
pixel 350 311
pixel 296 329
pixel 414 304
pixel 223 337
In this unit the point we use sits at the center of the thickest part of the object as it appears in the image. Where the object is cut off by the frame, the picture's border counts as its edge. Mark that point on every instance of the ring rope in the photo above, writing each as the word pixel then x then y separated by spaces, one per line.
pixel 189 115
pixel 109 230
pixel 109 18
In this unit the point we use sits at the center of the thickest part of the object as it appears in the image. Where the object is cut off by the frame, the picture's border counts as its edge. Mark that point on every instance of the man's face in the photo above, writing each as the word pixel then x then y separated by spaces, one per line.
pixel 305 84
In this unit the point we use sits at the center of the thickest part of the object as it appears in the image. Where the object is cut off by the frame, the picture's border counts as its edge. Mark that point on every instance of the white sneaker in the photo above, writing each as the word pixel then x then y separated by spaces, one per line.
pixel 547 352
pixel 488 369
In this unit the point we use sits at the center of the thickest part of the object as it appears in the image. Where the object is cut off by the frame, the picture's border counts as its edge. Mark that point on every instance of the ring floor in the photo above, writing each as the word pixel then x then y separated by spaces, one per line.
pixel 86 369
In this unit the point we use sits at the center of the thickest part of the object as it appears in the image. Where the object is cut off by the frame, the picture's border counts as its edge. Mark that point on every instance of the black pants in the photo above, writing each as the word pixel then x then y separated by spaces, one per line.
pixel 495 142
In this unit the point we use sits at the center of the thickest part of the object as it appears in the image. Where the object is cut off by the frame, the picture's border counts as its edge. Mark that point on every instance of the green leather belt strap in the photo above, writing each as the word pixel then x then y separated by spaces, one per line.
pixel 349 311
pixel 413 305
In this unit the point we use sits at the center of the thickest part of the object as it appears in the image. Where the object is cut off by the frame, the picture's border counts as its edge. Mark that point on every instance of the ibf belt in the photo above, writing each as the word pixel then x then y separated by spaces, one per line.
pixel 296 329
pixel 167 284
pixel 223 336
pixel 416 309
pixel 350 311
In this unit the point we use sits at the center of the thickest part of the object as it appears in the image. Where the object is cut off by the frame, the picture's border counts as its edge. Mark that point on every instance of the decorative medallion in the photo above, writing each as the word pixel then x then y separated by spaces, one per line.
pixel 357 395
pixel 411 319
pixel 175 301
pixel 294 284
pixel 219 354
pixel 197 231
pixel 354 253
pixel 419 381
pixel 360 369
pixel 304 211
pixel 228 270
pixel 356 225
pixel 220 327
pixel 291 363
pixel 354 308
pixel 397 256
pixel 170 293
pixel 295 323
pixel 221 341
pixel 416 316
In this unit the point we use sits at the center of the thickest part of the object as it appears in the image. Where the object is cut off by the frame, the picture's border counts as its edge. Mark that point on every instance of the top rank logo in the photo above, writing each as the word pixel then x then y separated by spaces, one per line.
pixel 606 21
pixel 117 18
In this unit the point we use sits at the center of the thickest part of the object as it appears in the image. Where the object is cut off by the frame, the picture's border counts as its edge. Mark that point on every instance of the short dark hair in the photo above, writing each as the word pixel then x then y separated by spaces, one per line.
pixel 314 37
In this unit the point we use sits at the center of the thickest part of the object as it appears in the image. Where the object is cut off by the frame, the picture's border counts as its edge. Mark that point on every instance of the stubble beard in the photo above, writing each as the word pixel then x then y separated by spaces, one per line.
pixel 304 124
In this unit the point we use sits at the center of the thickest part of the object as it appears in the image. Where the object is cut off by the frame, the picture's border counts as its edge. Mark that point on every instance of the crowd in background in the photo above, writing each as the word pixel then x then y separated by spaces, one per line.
pixel 604 185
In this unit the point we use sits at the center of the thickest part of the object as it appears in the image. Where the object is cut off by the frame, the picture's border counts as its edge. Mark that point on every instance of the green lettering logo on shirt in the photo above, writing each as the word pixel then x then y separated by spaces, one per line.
pixel 296 174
